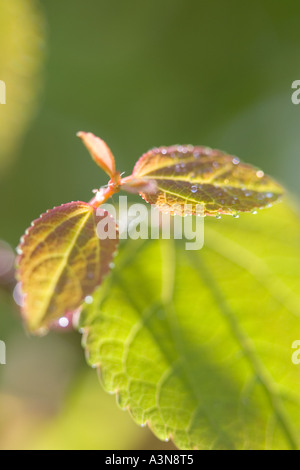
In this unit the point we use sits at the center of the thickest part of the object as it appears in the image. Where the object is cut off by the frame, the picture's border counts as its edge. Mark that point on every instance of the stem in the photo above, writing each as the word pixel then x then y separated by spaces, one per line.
pixel 105 193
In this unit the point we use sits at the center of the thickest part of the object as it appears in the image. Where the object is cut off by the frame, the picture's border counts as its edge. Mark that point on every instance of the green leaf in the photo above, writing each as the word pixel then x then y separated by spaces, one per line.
pixel 61 261
pixel 203 176
pixel 198 345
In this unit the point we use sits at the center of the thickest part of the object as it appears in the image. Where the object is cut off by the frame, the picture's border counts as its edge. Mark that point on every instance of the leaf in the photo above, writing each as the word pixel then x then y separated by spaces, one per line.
pixel 200 175
pixel 61 261
pixel 198 344
pixel 99 151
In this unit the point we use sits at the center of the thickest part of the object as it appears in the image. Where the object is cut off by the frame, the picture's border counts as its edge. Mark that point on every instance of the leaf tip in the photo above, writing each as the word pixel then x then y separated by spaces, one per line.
pixel 99 151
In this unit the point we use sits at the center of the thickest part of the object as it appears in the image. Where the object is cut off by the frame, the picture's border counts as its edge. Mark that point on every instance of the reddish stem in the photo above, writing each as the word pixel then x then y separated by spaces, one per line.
pixel 105 193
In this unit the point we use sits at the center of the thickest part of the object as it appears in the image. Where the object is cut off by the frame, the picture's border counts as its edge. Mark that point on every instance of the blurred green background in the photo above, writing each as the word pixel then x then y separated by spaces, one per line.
pixel 138 74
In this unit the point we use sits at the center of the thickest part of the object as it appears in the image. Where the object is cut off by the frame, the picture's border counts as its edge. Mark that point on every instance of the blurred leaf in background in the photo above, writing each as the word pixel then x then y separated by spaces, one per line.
pixel 21 56
pixel 91 420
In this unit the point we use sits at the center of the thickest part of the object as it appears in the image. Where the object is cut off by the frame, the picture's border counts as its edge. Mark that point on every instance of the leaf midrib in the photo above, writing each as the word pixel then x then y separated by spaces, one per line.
pixel 61 267
pixel 221 184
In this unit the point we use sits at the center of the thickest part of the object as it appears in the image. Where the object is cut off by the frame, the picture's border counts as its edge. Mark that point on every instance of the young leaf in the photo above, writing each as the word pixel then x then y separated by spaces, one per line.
pixel 99 151
pixel 200 175
pixel 198 345
pixel 61 261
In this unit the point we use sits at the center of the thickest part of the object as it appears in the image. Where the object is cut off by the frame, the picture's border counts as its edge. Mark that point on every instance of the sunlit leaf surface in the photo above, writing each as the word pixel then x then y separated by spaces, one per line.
pixel 198 345
pixel 200 175
pixel 61 261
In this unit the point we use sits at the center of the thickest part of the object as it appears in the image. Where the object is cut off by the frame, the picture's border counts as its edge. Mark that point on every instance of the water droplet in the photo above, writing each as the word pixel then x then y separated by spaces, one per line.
pixel 206 150
pixel 164 151
pixel 143 425
pixel 235 161
pixel 218 216
pixel 63 322
pixel 254 212
pixel 235 215
pixel 99 195
pixel 215 164
pixel 19 251
pixel 248 193
pixel 166 439
pixel 89 299
pixel 194 189
pixel 269 195
pixel 18 295
pixel 193 174
pixel 259 174
pixel 111 265
pixel 177 168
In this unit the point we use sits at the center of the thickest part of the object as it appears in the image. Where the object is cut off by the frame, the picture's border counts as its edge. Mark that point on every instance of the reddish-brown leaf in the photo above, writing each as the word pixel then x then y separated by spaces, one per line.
pixel 99 151
pixel 61 261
